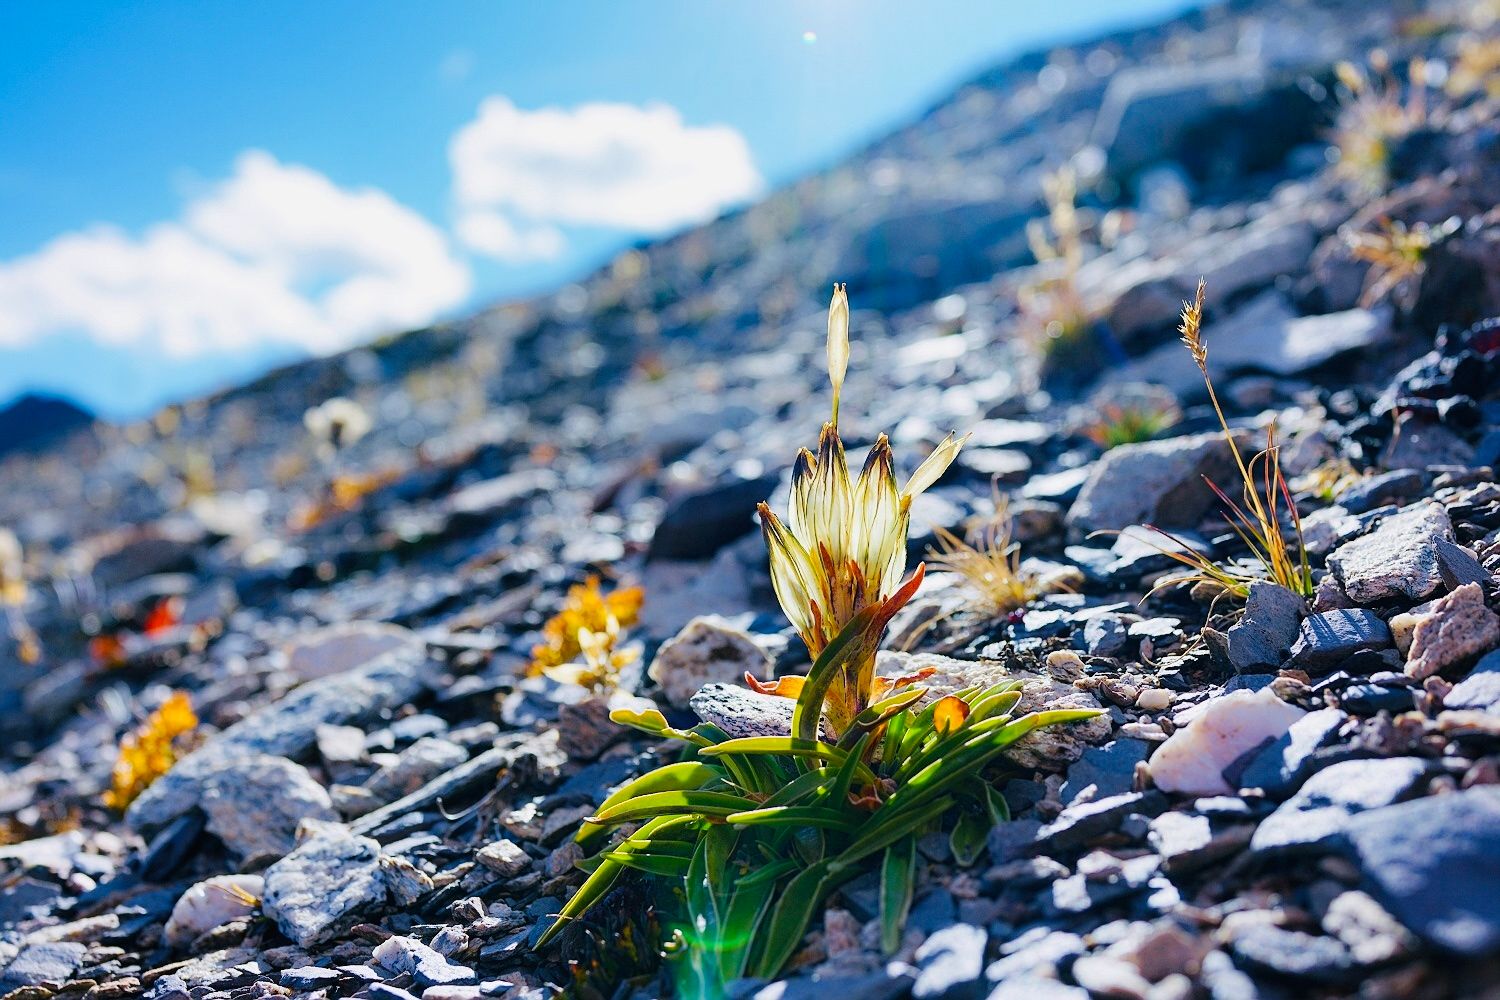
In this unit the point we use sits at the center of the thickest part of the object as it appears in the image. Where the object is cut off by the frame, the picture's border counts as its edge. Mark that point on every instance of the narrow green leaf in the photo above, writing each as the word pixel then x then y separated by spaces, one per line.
pixel 671 777
pixel 597 884
pixel 969 835
pixel 898 876
pixel 668 803
pixel 847 645
pixel 789 919
pixel 793 816
pixel 785 746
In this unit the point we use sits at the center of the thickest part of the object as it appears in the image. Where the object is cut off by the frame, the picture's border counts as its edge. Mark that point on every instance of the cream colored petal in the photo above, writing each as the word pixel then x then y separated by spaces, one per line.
pixel 829 501
pixel 792 577
pixel 933 467
pixel 801 495
pixel 877 504
pixel 838 344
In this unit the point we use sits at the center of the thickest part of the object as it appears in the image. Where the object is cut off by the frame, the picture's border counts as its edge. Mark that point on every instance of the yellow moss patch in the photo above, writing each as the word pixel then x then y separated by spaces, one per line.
pixel 150 751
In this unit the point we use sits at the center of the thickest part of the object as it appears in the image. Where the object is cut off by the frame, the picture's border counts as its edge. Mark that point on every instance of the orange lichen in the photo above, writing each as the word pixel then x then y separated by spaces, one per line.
pixel 150 751
pixel 586 607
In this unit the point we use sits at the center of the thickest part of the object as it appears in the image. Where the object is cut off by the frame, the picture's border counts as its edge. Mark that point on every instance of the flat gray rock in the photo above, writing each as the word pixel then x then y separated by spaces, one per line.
pixel 1281 767
pixel 741 712
pixel 1319 813
pixel 327 884
pixel 1398 559
pixel 285 728
pixel 254 804
pixel 1435 865
pixel 1155 482
pixel 1481 689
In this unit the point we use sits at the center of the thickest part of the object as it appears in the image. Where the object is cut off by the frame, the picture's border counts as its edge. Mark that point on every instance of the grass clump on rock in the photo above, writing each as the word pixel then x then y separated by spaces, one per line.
pixel 758 831
pixel 1265 500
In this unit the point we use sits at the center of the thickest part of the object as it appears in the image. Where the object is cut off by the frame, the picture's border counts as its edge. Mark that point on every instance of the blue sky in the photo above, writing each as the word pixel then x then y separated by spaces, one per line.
pixel 192 191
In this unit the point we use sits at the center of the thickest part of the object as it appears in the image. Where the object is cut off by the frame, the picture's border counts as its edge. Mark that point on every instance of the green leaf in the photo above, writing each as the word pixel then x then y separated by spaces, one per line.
pixel 889 826
pixel 785 746
pixel 668 803
pixel 968 837
pixel 672 777
pixel 793 816
pixel 898 876
pixel 871 718
pixel 848 644
pixel 653 722
pixel 789 919
pixel 597 884
pixel 665 865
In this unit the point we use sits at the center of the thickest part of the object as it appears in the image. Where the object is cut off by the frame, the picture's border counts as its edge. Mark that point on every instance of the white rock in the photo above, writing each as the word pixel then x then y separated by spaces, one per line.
pixel 212 903
pixel 1193 759
pixel 708 651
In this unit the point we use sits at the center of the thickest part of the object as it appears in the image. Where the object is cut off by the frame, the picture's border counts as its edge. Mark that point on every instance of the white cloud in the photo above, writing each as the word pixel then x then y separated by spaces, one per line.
pixel 492 233
pixel 276 253
pixel 519 174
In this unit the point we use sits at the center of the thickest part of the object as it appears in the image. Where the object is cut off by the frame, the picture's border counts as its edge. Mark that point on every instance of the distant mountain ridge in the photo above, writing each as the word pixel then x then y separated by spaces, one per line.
pixel 34 420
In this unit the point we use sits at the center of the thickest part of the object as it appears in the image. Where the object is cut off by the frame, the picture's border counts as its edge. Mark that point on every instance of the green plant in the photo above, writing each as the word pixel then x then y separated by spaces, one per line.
pixel 758 831
pixel 1053 312
pixel 1397 255
pixel 1130 422
pixel 1373 116
pixel 1264 490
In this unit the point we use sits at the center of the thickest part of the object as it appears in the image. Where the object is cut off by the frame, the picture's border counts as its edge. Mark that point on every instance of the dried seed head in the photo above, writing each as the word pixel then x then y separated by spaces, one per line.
pixel 1191 328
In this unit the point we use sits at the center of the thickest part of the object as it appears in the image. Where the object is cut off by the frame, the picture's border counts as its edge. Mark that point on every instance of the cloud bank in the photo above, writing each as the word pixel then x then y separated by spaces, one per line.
pixel 274 254
pixel 520 176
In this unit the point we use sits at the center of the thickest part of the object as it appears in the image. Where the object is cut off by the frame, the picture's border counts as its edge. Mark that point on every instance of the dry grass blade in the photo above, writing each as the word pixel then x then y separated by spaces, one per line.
pixel 1265 497
pixel 990 569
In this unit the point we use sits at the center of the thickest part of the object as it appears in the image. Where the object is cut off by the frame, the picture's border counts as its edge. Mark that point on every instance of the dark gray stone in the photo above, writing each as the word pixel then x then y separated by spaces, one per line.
pixel 950 964
pixel 700 523
pixel 1314 818
pixel 1299 956
pixel 1388 487
pixel 1458 565
pixel 1076 825
pixel 1269 627
pixel 1109 769
pixel 1008 841
pixel 1368 699
pixel 1481 689
pixel 1329 638
pixel 42 963
pixel 1434 863
pixel 1281 767
pixel 1105 635
pixel 310 977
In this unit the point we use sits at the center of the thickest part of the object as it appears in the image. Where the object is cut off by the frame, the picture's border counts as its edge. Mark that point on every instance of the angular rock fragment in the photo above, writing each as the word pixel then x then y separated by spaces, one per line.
pixel 1446 632
pixel 1400 558
pixel 707 651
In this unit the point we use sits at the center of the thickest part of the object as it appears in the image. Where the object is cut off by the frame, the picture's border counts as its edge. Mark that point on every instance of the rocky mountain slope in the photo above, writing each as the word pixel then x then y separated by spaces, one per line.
pixel 319 618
